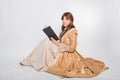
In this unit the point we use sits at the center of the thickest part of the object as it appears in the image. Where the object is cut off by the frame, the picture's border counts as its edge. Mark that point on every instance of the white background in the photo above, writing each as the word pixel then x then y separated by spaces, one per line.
pixel 21 23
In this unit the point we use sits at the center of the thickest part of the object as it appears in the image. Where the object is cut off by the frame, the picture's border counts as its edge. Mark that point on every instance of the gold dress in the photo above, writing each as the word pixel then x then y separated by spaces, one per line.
pixel 69 62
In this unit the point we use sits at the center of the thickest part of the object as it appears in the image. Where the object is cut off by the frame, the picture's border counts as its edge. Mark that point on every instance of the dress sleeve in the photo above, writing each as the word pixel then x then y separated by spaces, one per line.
pixel 72 46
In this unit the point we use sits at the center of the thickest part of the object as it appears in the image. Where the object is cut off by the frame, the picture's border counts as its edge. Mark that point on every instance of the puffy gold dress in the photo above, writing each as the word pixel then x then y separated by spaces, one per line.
pixel 69 63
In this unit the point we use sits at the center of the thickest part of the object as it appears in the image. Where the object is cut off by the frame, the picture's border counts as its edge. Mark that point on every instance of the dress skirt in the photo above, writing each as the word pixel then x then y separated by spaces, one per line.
pixel 47 57
pixel 42 56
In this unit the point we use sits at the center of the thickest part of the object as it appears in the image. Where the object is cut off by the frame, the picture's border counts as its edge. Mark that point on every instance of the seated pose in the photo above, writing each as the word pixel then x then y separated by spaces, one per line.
pixel 60 57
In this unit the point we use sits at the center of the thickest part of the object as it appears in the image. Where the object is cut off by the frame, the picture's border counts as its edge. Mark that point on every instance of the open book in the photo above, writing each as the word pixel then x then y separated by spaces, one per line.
pixel 50 33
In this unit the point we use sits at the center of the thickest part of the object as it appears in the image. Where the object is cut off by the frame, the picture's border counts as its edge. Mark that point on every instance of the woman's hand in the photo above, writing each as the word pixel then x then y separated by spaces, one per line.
pixel 54 41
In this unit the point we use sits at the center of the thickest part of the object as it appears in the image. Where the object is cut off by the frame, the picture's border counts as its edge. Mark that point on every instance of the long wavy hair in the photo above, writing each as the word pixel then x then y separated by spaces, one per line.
pixel 68 16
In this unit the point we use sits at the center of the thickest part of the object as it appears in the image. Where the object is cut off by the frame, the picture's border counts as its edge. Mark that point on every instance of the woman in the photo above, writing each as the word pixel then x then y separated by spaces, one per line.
pixel 61 58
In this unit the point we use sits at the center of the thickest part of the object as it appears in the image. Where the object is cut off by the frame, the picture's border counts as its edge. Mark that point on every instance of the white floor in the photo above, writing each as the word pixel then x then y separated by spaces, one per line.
pixel 11 54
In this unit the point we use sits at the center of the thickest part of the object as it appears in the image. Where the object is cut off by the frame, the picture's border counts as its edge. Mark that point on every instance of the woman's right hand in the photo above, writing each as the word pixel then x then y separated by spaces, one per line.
pixel 54 41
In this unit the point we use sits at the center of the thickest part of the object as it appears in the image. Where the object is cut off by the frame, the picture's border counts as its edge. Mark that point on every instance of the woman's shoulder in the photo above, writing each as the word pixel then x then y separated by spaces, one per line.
pixel 73 30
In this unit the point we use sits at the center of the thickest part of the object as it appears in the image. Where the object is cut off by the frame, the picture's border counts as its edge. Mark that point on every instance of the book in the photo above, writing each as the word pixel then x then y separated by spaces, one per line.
pixel 50 33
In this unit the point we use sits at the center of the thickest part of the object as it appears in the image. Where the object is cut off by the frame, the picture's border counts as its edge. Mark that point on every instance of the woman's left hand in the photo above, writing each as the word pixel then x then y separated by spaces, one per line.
pixel 54 41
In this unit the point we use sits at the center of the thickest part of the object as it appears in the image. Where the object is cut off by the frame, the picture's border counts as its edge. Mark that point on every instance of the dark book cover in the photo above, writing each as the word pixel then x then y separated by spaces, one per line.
pixel 50 33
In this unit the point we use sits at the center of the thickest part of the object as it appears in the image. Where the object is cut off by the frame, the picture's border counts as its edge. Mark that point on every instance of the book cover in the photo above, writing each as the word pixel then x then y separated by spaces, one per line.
pixel 50 33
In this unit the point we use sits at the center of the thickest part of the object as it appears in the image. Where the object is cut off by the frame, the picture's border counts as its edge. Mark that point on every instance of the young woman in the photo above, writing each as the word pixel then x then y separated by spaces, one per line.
pixel 60 57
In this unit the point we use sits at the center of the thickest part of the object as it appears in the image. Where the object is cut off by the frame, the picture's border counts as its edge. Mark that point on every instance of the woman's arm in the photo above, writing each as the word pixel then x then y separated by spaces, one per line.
pixel 55 42
pixel 72 46
pixel 63 47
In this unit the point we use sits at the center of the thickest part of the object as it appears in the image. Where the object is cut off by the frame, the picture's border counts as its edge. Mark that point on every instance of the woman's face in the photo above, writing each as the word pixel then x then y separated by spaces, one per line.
pixel 65 21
